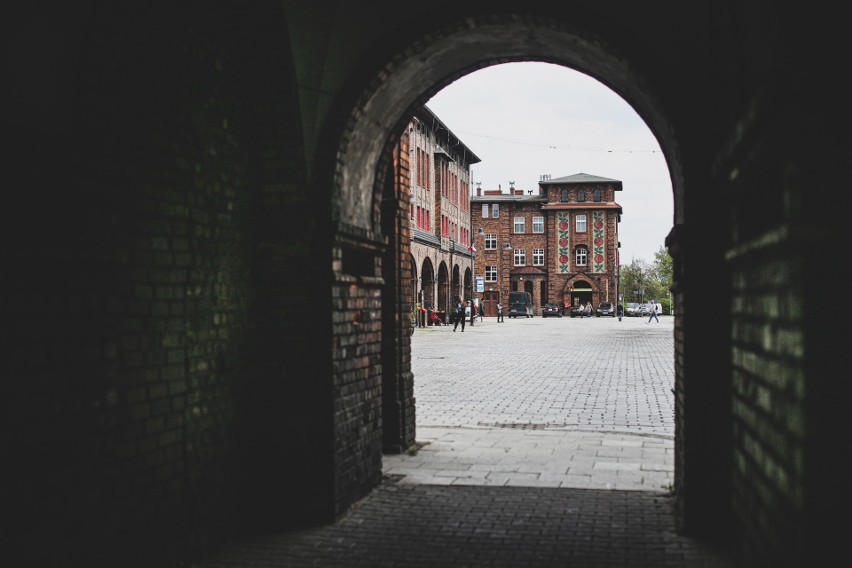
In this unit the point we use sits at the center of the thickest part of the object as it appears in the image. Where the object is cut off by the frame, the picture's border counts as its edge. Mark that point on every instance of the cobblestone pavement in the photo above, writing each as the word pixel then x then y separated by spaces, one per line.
pixel 544 402
pixel 528 430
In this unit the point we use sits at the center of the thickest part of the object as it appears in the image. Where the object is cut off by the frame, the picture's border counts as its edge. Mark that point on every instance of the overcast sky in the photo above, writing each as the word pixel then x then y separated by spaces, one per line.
pixel 524 120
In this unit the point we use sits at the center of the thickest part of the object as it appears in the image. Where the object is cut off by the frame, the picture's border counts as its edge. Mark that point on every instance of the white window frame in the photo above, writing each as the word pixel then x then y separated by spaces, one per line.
pixel 519 223
pixel 495 210
pixel 538 257
pixel 491 273
pixel 485 211
pixel 538 224
pixel 520 257
pixel 490 241
pixel 581 256
pixel 580 223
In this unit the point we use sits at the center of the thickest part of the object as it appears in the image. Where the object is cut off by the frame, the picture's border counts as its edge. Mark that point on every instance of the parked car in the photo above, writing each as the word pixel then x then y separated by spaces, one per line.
pixel 632 309
pixel 605 309
pixel 644 310
pixel 579 311
pixel 550 310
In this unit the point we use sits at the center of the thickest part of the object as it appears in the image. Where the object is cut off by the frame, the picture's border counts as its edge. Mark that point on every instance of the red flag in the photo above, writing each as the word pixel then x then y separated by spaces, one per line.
pixel 471 248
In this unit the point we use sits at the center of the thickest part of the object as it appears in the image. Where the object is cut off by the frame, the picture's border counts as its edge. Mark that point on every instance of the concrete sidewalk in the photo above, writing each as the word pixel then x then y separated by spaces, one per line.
pixel 537 458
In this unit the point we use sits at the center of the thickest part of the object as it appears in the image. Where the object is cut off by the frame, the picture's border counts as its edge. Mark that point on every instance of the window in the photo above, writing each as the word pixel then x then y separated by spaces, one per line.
pixel 580 256
pixel 495 210
pixel 580 223
pixel 485 211
pixel 520 257
pixel 491 273
pixel 597 196
pixel 538 224
pixel 581 195
pixel 538 257
pixel 563 195
pixel 520 225
pixel 490 241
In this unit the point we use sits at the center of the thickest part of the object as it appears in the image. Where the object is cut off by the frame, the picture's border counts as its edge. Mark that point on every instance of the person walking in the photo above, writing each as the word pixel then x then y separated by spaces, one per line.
pixel 458 314
pixel 472 305
pixel 654 309
pixel 481 310
pixel 499 312
pixel 620 311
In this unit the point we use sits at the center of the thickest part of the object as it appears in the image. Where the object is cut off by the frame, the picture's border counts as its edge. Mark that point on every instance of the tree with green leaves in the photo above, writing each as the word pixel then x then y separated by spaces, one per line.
pixel 640 281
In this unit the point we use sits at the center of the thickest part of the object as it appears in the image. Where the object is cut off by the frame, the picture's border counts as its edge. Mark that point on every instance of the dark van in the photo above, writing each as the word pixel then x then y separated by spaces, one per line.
pixel 520 304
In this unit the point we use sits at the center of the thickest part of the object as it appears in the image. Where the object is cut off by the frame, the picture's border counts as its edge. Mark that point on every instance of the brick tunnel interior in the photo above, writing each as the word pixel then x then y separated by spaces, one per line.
pixel 205 277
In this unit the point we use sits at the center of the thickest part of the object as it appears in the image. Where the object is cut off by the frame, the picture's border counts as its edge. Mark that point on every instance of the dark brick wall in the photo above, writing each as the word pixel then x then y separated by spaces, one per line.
pixel 154 394
pixel 128 309
pixel 775 441
pixel 398 412
pixel 769 395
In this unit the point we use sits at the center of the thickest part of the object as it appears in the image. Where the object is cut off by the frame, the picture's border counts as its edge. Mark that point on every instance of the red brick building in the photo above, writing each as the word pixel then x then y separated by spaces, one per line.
pixel 560 243
pixel 439 210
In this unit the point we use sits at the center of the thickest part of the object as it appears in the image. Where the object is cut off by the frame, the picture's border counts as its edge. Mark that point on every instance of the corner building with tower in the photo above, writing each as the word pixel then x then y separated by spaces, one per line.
pixel 559 244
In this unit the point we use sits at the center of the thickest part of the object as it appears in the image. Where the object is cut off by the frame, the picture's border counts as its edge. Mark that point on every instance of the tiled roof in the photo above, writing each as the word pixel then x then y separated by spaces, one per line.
pixel 534 270
pixel 581 178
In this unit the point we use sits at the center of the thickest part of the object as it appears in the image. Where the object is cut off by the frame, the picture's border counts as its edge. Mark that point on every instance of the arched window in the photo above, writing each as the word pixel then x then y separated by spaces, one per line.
pixel 563 196
pixel 597 196
pixel 581 195
pixel 580 256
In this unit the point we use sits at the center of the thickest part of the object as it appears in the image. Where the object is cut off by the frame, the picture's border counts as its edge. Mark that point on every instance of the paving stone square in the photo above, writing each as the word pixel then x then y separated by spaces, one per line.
pixel 546 396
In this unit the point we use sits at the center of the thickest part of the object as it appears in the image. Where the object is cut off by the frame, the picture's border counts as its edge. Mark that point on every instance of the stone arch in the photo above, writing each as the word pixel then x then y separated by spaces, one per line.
pixel 579 290
pixel 428 284
pixel 379 116
pixel 363 159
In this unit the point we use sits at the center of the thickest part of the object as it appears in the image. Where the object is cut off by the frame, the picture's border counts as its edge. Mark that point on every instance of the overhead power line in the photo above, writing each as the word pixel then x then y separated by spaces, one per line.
pixel 558 146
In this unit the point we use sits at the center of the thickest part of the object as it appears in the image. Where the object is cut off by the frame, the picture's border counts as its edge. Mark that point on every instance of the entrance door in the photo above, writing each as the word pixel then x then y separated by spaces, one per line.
pixel 489 300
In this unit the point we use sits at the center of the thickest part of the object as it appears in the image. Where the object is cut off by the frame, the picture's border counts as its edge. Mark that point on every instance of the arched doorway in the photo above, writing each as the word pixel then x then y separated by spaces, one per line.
pixel 363 140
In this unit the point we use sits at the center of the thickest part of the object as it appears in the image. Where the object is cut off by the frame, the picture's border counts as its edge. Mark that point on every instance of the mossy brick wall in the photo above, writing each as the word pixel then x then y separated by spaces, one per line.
pixel 769 391
pixel 770 382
